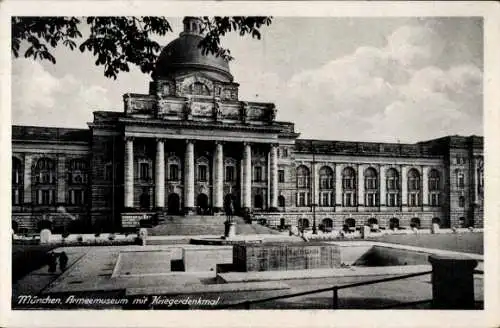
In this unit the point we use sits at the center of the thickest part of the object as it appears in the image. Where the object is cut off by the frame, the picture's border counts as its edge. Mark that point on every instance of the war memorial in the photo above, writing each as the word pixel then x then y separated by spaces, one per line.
pixel 168 171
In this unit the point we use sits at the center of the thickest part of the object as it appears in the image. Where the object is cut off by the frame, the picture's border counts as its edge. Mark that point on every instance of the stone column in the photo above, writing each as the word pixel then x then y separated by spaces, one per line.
pixel 404 186
pixel 189 207
pixel 61 179
pixel 425 186
pixel 273 162
pixel 338 185
pixel 128 188
pixel 160 174
pixel 28 163
pixel 382 186
pixel 452 282
pixel 361 185
pixel 247 177
pixel 218 178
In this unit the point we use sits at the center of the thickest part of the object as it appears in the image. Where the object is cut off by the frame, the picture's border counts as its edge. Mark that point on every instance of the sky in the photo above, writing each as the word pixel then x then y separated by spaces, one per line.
pixel 337 78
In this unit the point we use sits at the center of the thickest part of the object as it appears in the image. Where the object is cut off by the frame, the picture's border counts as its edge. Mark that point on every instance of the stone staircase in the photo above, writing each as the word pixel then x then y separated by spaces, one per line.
pixel 204 225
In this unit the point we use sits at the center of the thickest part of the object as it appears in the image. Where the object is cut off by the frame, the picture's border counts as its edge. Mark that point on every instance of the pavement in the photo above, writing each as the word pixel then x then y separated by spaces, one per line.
pixel 90 269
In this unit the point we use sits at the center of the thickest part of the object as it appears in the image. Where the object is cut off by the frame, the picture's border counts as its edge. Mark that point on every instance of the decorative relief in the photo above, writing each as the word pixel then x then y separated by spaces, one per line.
pixel 201 109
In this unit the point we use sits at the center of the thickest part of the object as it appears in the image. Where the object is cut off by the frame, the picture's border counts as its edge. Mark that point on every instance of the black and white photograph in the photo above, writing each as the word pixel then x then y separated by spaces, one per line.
pixel 212 161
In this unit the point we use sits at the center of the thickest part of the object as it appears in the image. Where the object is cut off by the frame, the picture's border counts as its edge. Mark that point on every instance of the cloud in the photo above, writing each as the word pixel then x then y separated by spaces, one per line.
pixel 40 98
pixel 387 93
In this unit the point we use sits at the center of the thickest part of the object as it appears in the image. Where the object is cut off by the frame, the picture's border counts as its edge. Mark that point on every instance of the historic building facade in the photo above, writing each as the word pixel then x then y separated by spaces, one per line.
pixel 190 143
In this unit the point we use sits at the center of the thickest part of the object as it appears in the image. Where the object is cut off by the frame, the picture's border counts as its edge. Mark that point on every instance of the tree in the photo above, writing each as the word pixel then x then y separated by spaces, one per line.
pixel 116 42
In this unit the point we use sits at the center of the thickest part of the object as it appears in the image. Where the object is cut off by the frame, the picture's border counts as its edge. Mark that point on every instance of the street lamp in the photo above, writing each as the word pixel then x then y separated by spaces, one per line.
pixel 315 232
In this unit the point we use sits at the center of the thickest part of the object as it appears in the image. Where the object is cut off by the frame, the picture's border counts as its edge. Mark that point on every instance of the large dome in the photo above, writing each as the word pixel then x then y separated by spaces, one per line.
pixel 184 56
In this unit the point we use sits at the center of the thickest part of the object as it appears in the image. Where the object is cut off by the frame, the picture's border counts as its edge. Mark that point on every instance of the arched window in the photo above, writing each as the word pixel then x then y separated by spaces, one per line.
pixel 173 172
pixel 434 188
pixel 325 178
pixel 326 193
pixel 45 181
pixel 173 168
pixel 45 171
pixel 17 181
pixel 433 180
pixel 413 188
pixel 371 187
pixel 349 186
pixel 303 177
pixel 392 183
pixel 78 171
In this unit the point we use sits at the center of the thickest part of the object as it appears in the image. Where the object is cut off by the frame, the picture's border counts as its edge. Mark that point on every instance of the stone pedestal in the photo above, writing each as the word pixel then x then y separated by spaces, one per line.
pixel 143 235
pixel 365 231
pixel 435 228
pixel 229 229
pixel 45 236
pixel 452 282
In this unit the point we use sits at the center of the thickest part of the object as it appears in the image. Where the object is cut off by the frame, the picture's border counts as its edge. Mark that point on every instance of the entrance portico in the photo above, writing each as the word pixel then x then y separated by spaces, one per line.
pixel 205 174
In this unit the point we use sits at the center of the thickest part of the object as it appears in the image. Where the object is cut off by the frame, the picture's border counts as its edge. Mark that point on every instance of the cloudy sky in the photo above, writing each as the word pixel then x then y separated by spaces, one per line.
pixel 366 79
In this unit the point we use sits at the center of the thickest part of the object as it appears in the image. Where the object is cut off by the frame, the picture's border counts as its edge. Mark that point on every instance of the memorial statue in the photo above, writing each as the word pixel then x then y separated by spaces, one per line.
pixel 217 110
pixel 244 111
pixel 188 109
pixel 229 209
pixel 272 113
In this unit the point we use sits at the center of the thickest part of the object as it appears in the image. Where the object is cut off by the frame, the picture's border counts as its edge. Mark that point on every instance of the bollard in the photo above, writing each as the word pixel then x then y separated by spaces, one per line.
pixel 143 235
pixel 45 235
pixel 435 228
pixel 365 231
pixel 452 282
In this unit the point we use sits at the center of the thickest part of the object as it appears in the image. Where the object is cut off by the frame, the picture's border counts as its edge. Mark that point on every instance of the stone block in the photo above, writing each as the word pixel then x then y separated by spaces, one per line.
pixel 203 258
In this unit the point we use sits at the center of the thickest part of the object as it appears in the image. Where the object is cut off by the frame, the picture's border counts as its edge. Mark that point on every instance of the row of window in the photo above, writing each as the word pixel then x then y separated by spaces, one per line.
pixel 371 199
pixel 45 172
pixel 76 197
pixel 371 180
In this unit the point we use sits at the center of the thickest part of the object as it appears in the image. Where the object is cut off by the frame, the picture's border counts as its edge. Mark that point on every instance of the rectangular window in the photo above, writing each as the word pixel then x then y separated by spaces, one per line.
pixel 173 172
pixel 45 197
pixel 370 200
pixel 202 173
pixel 258 173
pixel 16 199
pixel 281 176
pixel 392 200
pixel 302 199
pixel 325 199
pixel 230 173
pixel 144 171
pixel 413 200
pixel 434 200
pixel 461 181
pixel 348 200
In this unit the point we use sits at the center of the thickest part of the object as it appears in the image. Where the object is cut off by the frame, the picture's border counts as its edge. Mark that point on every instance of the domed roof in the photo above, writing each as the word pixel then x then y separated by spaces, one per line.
pixel 183 56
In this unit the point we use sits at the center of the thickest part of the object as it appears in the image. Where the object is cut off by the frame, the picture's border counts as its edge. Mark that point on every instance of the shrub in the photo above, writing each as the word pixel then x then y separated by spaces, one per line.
pixel 79 239
pixel 65 234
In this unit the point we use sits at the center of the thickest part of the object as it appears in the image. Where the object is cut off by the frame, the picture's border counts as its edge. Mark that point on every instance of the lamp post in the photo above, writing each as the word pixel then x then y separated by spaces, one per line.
pixel 314 230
